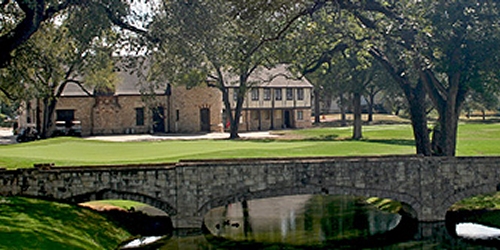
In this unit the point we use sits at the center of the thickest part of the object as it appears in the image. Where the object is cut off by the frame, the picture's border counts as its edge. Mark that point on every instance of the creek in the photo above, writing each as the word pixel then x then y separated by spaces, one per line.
pixel 325 222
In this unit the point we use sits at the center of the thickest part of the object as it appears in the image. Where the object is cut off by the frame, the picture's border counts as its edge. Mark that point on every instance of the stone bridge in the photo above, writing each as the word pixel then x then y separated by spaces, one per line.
pixel 188 189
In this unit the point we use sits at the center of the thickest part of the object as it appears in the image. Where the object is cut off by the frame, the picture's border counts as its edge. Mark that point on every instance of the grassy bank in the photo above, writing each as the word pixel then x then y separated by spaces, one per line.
pixel 37 224
pixel 473 140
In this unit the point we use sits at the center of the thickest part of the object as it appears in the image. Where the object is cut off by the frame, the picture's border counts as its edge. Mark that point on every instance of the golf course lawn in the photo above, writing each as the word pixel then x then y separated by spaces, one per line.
pixel 37 224
pixel 473 140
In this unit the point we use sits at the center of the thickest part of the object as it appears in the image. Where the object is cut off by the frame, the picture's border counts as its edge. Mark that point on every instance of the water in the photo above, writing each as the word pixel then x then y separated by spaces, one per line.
pixel 323 222
pixel 476 231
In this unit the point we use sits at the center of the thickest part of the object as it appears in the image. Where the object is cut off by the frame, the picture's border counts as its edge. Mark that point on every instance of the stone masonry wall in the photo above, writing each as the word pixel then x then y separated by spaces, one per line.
pixel 189 189
pixel 117 114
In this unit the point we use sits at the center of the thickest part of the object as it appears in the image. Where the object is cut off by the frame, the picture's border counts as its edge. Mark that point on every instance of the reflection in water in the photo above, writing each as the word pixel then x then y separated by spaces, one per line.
pixel 300 220
pixel 476 231
pixel 143 241
pixel 317 222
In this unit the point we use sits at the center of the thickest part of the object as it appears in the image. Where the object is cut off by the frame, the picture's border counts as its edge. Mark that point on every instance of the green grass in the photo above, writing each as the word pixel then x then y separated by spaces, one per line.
pixel 124 204
pixel 473 140
pixel 37 224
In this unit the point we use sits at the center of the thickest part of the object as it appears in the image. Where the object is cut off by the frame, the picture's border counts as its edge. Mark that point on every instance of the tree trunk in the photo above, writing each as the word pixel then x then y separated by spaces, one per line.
pixel 38 115
pixel 357 127
pixel 316 106
pixel 370 107
pixel 49 107
pixel 444 138
pixel 416 99
pixel 233 120
pixel 343 119
pixel 448 102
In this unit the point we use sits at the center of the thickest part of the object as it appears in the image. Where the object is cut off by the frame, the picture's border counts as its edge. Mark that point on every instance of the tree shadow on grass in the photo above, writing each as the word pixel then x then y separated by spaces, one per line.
pixel 331 138
pixel 399 142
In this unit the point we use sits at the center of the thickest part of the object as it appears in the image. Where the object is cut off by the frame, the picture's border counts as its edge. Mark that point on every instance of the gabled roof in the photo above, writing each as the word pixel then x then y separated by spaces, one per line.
pixel 277 77
pixel 130 83
pixel 127 84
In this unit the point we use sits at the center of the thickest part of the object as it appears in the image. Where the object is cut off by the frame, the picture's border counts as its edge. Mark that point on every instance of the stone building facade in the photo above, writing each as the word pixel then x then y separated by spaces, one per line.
pixel 276 102
pixel 127 110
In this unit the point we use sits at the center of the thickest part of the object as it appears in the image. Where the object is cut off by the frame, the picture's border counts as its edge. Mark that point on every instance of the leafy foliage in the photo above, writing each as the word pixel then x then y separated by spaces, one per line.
pixel 219 43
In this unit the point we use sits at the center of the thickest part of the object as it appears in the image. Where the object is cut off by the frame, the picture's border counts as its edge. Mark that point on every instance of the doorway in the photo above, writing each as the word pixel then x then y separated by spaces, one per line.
pixel 205 120
pixel 159 120
pixel 287 119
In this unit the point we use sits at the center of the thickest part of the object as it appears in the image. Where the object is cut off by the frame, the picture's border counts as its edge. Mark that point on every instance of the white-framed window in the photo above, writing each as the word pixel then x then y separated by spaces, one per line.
pixel 267 94
pixel 300 94
pixel 289 94
pixel 255 94
pixel 277 93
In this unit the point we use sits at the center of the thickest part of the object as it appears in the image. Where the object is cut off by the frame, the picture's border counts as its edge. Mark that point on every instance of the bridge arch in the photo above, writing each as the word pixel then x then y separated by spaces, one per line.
pixel 107 194
pixel 241 195
pixel 486 188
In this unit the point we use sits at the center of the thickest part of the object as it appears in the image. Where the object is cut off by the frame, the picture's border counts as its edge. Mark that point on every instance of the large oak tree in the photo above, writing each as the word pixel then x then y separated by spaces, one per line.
pixel 440 49
pixel 221 43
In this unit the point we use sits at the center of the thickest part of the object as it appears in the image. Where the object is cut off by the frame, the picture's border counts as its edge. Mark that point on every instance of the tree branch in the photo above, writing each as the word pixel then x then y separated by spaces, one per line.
pixel 120 23
pixel 8 95
pixel 326 57
pixel 4 3
pixel 281 32
pixel 79 83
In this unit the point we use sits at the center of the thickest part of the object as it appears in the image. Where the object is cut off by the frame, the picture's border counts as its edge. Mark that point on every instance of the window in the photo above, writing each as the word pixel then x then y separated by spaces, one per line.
pixel 300 94
pixel 289 94
pixel 65 115
pixel 139 116
pixel 267 94
pixel 255 94
pixel 177 115
pixel 277 92
pixel 300 115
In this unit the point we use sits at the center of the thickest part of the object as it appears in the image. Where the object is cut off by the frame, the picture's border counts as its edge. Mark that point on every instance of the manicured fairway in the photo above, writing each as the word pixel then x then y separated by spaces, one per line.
pixel 474 139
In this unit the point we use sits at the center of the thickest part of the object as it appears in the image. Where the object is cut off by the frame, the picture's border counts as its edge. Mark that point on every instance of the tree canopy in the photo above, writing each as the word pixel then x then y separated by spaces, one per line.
pixel 431 49
pixel 445 51
pixel 21 19
pixel 217 42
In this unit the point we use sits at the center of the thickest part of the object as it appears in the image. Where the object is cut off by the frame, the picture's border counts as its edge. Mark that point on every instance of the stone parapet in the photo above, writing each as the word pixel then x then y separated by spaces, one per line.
pixel 188 189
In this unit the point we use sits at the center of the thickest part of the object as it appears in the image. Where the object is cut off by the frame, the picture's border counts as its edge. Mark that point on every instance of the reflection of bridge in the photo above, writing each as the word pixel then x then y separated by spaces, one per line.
pixel 188 189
